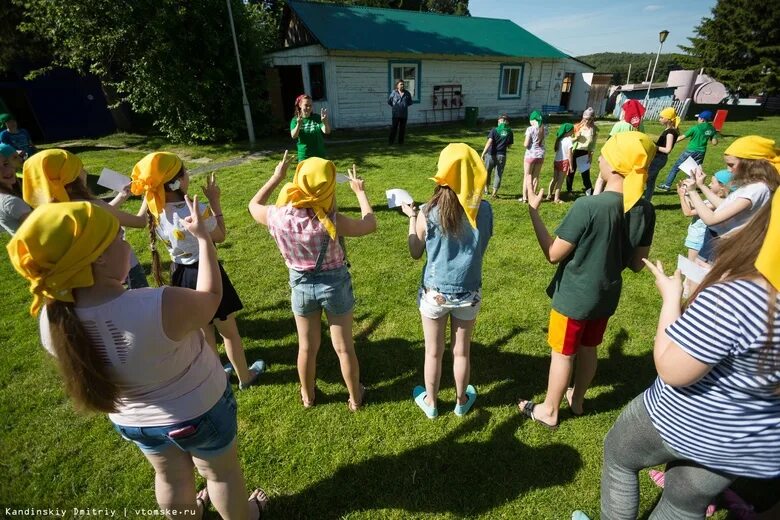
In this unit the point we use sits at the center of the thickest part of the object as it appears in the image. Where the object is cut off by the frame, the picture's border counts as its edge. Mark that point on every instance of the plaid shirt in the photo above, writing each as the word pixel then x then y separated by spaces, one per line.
pixel 300 236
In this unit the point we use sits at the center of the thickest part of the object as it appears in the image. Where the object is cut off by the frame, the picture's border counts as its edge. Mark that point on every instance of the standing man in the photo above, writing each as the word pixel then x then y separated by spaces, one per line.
pixel 400 100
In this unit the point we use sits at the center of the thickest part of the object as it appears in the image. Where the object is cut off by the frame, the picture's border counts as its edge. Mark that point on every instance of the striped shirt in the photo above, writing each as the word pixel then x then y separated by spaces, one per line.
pixel 300 236
pixel 730 419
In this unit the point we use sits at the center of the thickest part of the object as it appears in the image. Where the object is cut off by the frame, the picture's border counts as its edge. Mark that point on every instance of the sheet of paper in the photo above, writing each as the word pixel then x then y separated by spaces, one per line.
pixel 340 177
pixel 113 180
pixel 688 166
pixel 583 163
pixel 397 196
pixel 693 271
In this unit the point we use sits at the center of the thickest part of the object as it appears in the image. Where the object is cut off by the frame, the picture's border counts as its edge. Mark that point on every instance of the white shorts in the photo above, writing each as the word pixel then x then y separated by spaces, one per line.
pixel 463 306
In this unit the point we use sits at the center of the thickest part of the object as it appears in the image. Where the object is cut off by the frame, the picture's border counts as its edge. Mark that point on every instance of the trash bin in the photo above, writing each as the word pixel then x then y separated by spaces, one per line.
pixel 471 116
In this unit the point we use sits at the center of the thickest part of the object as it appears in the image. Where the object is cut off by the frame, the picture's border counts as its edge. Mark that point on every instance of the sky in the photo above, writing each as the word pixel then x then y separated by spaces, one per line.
pixel 580 27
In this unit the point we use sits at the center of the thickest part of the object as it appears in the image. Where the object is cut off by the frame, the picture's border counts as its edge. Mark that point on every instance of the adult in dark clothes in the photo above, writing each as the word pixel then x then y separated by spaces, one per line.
pixel 400 100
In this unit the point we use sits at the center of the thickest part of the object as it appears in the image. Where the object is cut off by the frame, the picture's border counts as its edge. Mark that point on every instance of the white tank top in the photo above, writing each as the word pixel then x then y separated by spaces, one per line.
pixel 160 381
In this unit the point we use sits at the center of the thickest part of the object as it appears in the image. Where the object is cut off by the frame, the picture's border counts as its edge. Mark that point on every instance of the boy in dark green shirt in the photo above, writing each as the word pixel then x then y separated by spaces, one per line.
pixel 599 237
pixel 700 134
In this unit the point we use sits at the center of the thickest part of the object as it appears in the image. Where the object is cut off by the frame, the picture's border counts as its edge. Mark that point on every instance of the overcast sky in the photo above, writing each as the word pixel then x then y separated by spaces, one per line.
pixel 586 27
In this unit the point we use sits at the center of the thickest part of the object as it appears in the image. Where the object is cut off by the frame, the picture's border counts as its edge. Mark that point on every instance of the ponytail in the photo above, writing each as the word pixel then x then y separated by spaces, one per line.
pixel 557 143
pixel 156 264
pixel 82 366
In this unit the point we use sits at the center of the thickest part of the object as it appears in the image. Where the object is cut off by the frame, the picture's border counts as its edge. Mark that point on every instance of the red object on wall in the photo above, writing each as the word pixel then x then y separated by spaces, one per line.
pixel 720 119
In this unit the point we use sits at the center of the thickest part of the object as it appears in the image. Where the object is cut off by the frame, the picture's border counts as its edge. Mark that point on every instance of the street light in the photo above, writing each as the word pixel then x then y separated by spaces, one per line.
pixel 247 112
pixel 661 38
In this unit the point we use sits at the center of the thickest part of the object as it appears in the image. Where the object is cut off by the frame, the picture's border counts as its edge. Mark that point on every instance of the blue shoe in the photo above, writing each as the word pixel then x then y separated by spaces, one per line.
pixel 471 396
pixel 258 367
pixel 419 397
pixel 579 515
pixel 228 367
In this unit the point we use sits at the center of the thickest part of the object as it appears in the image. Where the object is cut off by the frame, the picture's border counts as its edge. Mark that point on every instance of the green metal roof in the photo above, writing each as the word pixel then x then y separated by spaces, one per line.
pixel 369 29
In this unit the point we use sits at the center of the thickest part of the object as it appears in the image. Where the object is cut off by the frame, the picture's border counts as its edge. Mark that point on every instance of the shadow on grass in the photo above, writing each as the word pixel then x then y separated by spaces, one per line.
pixel 456 474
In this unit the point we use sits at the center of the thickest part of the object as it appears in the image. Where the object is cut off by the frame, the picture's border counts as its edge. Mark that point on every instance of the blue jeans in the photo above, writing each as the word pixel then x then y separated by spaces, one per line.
pixel 498 162
pixel 657 164
pixel 330 290
pixel 697 156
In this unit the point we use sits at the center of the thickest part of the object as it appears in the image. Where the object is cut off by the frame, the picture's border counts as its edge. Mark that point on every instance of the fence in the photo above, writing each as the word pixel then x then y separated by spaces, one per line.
pixel 654 107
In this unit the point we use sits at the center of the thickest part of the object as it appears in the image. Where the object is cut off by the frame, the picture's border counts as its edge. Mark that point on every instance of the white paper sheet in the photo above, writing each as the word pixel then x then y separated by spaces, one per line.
pixel 113 180
pixel 397 196
pixel 693 271
pixel 582 163
pixel 340 177
pixel 688 166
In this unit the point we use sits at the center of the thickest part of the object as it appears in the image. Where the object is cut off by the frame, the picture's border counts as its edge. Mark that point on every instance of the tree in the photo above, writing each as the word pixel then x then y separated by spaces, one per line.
pixel 170 59
pixel 16 47
pixel 740 46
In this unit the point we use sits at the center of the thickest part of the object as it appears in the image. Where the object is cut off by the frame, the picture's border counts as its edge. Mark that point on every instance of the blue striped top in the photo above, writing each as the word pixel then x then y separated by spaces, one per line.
pixel 729 420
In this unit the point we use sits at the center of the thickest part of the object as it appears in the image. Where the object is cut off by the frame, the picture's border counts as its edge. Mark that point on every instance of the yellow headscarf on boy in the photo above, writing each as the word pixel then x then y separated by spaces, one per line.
pixel 768 260
pixel 461 169
pixel 56 245
pixel 755 147
pixel 313 186
pixel 670 114
pixel 149 177
pixel 629 154
pixel 45 175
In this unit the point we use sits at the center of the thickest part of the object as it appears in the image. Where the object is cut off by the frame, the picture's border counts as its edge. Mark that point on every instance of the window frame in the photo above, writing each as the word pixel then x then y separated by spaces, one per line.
pixel 510 66
pixel 405 63
pixel 324 80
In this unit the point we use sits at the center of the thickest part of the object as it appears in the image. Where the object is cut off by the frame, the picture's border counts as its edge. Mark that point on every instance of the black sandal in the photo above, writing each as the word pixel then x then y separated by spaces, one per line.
pixel 261 500
pixel 528 410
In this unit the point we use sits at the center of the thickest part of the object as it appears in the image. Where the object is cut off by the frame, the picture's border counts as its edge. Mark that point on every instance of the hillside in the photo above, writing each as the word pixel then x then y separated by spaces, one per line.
pixel 617 63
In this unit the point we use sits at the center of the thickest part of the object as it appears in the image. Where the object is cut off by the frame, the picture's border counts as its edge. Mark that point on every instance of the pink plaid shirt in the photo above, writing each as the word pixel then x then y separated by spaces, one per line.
pixel 300 235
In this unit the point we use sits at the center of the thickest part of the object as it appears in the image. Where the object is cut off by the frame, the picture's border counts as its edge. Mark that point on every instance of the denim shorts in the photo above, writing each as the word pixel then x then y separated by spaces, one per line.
pixel 205 436
pixel 462 306
pixel 330 290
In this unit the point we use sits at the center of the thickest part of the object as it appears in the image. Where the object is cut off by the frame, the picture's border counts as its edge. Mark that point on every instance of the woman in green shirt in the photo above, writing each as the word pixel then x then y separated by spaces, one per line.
pixel 308 128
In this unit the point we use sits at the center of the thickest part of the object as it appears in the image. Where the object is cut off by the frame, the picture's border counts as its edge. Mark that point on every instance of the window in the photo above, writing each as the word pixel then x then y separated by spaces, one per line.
pixel 409 73
pixel 567 81
pixel 317 81
pixel 511 82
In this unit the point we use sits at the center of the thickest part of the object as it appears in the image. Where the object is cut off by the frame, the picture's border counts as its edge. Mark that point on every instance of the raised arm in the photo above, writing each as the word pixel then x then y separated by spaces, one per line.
pixel 296 130
pixel 350 227
pixel 325 121
pixel 685 204
pixel 555 250
pixel 709 216
pixel 257 206
pixel 125 219
pixel 417 228
pixel 699 177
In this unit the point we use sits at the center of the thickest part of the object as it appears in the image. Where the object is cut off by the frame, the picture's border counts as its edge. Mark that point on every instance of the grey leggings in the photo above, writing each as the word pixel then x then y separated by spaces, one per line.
pixel 633 444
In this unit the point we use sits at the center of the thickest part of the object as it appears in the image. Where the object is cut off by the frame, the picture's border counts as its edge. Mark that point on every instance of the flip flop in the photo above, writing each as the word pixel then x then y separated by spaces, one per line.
pixel 471 396
pixel 202 498
pixel 568 401
pixel 355 407
pixel 528 411
pixel 579 515
pixel 258 367
pixel 419 397
pixel 260 500
pixel 311 402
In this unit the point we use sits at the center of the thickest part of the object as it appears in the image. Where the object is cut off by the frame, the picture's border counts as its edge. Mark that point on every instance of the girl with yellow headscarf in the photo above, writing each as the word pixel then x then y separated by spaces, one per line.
pixel 598 238
pixel 307 228
pixel 163 181
pixel 453 230
pixel 138 355
pixel 709 356
pixel 666 141
pixel 754 163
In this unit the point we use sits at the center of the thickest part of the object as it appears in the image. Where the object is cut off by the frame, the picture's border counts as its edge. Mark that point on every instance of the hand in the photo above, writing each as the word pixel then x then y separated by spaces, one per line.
pixel 324 114
pixel 281 168
pixel 535 199
pixel 689 184
pixel 211 190
pixel 193 223
pixel 409 210
pixel 123 195
pixel 355 182
pixel 682 189
pixel 699 176
pixel 299 118
pixel 670 287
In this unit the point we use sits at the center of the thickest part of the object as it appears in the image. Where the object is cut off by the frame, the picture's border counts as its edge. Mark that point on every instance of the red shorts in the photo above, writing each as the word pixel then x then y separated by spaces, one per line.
pixel 566 335
pixel 561 166
pixel 534 160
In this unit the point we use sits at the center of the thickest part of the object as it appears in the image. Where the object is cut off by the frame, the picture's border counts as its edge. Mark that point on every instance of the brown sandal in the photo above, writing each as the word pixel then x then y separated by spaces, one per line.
pixel 310 402
pixel 353 407
pixel 260 499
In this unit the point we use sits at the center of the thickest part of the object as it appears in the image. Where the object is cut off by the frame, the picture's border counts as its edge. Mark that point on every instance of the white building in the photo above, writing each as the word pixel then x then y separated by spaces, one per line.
pixel 348 59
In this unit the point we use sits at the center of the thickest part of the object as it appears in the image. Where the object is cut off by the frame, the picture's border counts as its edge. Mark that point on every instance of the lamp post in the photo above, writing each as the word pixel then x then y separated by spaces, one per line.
pixel 247 112
pixel 662 38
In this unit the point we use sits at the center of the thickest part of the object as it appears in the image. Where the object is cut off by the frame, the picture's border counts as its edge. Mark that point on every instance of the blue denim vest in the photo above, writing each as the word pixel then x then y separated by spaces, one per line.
pixel 454 263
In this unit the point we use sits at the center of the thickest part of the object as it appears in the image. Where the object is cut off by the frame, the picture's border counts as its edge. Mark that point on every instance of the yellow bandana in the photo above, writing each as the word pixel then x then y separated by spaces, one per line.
pixel 45 175
pixel 150 175
pixel 462 170
pixel 768 260
pixel 671 114
pixel 56 245
pixel 313 186
pixel 755 147
pixel 629 154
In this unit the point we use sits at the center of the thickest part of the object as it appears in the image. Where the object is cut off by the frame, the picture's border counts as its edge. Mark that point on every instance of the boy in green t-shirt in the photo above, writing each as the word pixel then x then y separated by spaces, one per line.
pixel 700 134
pixel 598 238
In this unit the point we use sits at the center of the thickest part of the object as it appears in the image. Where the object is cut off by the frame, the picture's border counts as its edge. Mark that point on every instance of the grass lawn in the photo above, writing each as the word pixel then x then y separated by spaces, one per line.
pixel 388 461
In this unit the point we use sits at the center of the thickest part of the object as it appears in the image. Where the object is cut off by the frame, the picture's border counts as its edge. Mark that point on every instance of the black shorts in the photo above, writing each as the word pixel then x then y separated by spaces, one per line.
pixel 187 276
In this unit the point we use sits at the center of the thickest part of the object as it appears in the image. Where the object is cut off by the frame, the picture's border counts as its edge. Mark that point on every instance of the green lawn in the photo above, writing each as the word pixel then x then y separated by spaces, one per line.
pixel 388 461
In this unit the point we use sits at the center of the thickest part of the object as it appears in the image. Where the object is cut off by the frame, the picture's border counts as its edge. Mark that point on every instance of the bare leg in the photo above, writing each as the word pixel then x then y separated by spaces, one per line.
pixel 174 482
pixel 557 382
pixel 433 331
pixel 234 349
pixel 536 170
pixel 526 180
pixel 584 371
pixel 461 348
pixel 225 482
pixel 344 345
pixel 309 331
